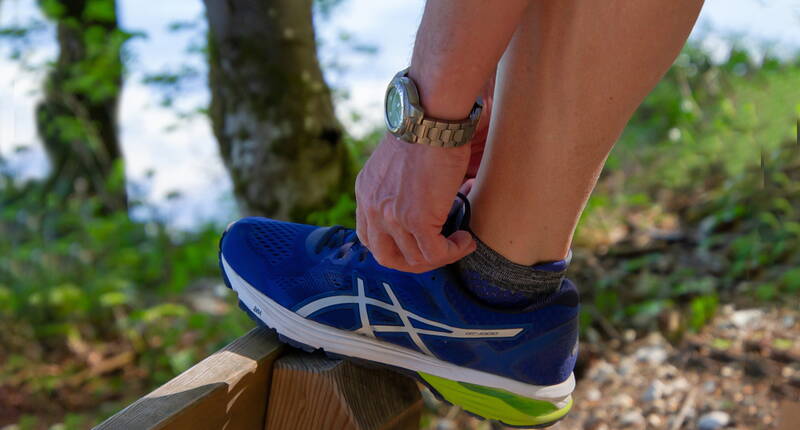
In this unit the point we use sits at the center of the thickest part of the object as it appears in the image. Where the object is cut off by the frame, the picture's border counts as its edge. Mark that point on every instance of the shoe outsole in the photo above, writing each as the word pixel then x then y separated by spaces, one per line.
pixel 366 363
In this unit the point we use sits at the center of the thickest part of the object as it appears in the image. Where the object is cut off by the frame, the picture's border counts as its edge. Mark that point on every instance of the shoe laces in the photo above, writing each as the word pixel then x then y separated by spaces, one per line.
pixel 343 238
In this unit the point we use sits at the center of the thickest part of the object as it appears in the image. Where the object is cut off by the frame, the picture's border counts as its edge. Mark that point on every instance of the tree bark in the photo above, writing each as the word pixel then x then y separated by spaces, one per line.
pixel 271 109
pixel 77 119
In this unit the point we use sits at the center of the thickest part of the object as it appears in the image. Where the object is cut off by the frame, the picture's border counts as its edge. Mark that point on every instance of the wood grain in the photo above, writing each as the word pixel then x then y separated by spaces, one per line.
pixel 789 415
pixel 314 392
pixel 229 389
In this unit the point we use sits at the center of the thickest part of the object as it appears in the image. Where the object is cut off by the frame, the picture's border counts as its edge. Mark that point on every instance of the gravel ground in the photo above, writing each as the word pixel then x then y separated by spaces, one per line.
pixel 741 372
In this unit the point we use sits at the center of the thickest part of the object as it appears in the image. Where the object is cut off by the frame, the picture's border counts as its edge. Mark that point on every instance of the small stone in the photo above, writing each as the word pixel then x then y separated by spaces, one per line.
pixel 673 404
pixel 653 355
pixel 709 386
pixel 727 309
pixel 713 420
pixel 727 371
pixel 632 418
pixel 787 371
pixel 596 425
pixel 654 420
pixel 623 400
pixel 746 317
pixel 654 391
pixel 681 384
pixel 446 424
pixel 667 371
pixel 602 371
pixel 593 395
pixel 625 367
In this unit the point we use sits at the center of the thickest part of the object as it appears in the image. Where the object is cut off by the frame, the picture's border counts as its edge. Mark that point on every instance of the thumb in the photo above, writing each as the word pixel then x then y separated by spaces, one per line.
pixel 459 245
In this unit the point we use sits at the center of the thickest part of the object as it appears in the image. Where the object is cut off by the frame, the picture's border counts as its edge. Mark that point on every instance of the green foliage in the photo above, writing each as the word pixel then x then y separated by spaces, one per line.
pixel 76 284
pixel 701 310
pixel 711 158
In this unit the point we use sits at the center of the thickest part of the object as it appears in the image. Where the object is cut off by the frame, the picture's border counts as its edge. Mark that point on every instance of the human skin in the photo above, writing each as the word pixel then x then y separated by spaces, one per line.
pixel 570 74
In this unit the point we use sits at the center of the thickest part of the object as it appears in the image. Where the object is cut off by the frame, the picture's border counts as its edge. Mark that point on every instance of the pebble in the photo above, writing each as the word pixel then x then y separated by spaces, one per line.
pixel 631 418
pixel 623 401
pixel 654 420
pixel 602 371
pixel 746 317
pixel 653 355
pixel 709 386
pixel 446 424
pixel 596 425
pixel 626 365
pixel 681 384
pixel 593 395
pixel 654 391
pixel 667 371
pixel 713 420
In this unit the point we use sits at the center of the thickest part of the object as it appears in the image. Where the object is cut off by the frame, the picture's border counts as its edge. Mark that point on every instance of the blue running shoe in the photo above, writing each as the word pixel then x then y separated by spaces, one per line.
pixel 319 287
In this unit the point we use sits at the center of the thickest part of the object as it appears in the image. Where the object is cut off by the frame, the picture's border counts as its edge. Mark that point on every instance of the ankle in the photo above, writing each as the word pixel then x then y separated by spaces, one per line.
pixel 501 282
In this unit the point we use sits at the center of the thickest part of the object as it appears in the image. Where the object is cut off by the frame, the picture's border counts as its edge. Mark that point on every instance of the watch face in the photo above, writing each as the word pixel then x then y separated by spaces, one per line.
pixel 394 108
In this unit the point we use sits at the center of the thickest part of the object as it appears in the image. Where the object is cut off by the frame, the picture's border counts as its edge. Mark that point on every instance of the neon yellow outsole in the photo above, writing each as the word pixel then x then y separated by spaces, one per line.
pixel 497 404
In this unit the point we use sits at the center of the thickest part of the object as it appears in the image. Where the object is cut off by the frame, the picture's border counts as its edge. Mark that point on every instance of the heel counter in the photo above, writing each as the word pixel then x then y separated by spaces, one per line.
pixel 553 358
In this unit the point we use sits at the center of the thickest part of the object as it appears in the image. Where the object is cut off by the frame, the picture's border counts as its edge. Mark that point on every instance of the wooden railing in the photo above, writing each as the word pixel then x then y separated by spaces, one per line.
pixel 258 383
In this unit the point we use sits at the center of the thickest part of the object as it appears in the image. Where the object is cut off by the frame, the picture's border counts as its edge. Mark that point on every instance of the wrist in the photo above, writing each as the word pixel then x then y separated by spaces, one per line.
pixel 442 97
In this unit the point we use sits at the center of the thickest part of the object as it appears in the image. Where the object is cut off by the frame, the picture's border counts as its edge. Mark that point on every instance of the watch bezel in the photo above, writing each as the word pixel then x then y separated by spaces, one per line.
pixel 409 100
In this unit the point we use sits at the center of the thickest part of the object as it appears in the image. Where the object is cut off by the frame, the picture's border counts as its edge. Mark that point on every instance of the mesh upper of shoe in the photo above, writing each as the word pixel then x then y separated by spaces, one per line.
pixel 276 259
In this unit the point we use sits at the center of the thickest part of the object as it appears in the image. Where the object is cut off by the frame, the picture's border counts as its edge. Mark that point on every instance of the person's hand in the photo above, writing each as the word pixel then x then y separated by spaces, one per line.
pixel 404 194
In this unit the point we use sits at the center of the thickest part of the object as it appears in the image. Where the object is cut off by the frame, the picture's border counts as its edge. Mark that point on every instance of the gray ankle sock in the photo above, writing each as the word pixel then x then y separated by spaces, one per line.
pixel 499 281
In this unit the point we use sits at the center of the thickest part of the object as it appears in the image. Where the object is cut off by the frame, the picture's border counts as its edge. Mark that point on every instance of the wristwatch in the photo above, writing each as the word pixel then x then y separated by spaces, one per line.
pixel 406 119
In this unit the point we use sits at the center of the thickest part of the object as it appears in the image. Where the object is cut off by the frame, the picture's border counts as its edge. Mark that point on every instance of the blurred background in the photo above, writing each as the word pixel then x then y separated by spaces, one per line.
pixel 130 135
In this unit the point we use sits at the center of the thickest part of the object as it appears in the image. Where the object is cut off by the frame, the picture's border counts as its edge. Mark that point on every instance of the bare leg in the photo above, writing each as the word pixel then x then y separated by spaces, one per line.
pixel 569 81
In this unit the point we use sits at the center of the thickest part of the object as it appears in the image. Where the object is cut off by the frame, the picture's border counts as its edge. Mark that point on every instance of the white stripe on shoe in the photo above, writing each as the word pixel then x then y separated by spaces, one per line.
pixel 350 344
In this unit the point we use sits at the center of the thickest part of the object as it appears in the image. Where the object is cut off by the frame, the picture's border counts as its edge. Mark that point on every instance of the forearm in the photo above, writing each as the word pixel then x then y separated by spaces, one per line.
pixel 458 45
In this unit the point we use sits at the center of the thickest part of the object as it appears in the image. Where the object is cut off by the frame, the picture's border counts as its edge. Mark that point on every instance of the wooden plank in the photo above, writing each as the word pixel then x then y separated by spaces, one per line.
pixel 310 391
pixel 789 415
pixel 229 389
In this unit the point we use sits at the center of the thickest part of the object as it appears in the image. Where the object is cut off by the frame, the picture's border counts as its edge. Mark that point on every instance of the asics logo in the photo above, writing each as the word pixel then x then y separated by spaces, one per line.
pixel 368 329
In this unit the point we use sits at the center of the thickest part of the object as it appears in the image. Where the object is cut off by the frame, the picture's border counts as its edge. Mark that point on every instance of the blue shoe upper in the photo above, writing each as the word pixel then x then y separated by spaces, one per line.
pixel 299 265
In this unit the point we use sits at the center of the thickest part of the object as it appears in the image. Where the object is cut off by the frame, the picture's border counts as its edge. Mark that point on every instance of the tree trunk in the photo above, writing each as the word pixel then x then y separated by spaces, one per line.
pixel 77 119
pixel 271 108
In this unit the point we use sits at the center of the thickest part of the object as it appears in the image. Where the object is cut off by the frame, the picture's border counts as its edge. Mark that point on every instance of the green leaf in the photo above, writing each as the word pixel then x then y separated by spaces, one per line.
pixel 100 11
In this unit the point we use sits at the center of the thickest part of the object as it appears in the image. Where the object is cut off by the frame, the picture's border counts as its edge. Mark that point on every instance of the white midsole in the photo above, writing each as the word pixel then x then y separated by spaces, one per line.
pixel 354 345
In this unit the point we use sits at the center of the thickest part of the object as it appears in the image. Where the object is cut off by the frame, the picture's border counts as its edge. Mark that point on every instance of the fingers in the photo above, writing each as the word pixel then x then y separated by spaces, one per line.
pixel 384 249
pixel 460 244
pixel 398 247
pixel 466 187
pixel 439 250
pixel 408 247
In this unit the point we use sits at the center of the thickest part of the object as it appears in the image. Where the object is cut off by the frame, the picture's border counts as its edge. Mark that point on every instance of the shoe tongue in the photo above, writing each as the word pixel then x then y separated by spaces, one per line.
pixel 458 218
